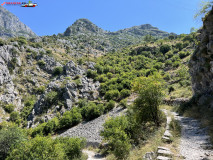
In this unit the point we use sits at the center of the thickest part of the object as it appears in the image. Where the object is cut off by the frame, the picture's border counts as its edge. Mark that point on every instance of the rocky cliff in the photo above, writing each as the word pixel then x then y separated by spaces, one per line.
pixel 11 26
pixel 201 63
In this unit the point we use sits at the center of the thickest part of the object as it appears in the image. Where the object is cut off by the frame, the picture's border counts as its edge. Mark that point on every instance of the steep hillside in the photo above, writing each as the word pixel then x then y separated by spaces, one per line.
pixel 41 77
pixel 10 25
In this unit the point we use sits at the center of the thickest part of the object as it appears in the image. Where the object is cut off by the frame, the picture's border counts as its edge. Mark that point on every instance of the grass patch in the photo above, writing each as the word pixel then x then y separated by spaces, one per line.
pixel 175 127
pixel 151 145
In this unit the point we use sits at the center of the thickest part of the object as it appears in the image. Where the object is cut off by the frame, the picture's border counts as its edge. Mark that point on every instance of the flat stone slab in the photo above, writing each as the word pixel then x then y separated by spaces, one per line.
pixel 167 134
pixel 163 158
pixel 166 139
pixel 163 148
pixel 165 153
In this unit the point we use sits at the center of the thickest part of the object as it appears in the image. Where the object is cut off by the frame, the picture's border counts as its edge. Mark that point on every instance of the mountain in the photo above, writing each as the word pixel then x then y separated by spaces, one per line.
pixel 143 30
pixel 84 33
pixel 83 26
pixel 11 26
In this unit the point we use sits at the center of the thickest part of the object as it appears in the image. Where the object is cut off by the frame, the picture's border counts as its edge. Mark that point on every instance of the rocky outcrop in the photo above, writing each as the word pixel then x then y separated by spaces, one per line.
pixel 201 62
pixel 8 94
pixel 50 64
pixel 69 90
pixel 71 69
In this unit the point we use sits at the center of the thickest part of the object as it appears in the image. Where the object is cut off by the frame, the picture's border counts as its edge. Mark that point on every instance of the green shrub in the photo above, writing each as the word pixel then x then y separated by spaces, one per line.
pixel 40 90
pixel 179 46
pixel 9 137
pixel 38 130
pixel 14 116
pixel 14 52
pixel 57 71
pixel 51 126
pixel 41 63
pixel 2 42
pixel 183 54
pixel 72 146
pixel 146 106
pixel 165 48
pixel 112 95
pixel 91 74
pixel 176 64
pixel 118 140
pixel 125 93
pixel 51 97
pixel 38 148
pixel 28 107
pixel 49 52
pixel 92 111
pixel 70 118
pixel 123 103
pixel 110 105
pixel 168 63
pixel 22 41
pixel 9 108
pixel 82 103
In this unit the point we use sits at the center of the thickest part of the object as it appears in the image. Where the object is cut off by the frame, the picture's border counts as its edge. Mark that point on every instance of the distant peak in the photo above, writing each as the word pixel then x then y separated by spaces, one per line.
pixel 83 26
pixel 83 20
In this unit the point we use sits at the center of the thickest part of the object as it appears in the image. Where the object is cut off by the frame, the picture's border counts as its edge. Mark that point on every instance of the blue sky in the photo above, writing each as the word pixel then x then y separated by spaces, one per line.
pixel 53 17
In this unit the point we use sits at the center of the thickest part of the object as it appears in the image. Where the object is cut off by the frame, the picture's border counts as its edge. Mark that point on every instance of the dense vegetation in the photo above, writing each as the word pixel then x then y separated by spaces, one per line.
pixel 15 144
pixel 143 118
pixel 144 69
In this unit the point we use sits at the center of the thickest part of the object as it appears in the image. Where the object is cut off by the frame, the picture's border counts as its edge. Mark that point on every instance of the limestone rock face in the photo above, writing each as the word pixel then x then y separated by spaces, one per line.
pixel 10 25
pixel 50 63
pixel 69 93
pixel 201 62
pixel 9 95
pixel 72 69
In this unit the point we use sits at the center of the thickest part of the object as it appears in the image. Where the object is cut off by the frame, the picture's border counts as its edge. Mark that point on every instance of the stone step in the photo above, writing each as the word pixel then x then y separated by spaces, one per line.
pixel 166 139
pixel 166 153
pixel 167 134
pixel 163 158
pixel 163 148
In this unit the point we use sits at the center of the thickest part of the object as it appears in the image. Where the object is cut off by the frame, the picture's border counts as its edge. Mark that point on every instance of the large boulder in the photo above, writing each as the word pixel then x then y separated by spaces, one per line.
pixel 71 69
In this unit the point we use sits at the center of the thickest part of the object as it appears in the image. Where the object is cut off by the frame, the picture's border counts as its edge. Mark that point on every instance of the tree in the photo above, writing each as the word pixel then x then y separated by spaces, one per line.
pixel 8 137
pixel 14 116
pixel 57 71
pixel 72 146
pixel 118 140
pixel 204 8
pixel 165 48
pixel 38 148
pixel 146 106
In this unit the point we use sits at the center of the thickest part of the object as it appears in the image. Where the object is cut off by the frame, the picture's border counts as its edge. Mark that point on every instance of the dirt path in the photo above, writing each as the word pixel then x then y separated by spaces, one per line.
pixel 194 142
pixel 93 156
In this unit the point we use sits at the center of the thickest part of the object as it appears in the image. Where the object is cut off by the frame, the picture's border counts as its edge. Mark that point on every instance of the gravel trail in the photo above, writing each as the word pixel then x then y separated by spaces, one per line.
pixel 91 130
pixel 195 144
